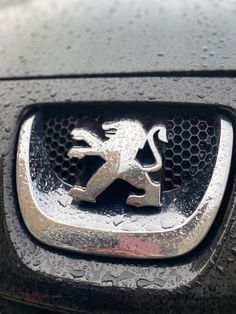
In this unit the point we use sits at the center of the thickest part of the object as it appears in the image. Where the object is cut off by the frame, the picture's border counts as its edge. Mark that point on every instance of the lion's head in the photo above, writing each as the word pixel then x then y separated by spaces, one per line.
pixel 130 130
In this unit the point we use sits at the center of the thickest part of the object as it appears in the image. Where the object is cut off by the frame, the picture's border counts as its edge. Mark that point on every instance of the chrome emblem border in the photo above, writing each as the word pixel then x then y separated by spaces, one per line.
pixel 58 224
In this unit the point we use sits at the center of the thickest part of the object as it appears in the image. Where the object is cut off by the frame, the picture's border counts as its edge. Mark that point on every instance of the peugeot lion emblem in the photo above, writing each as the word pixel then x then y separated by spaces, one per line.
pixel 70 200
pixel 125 139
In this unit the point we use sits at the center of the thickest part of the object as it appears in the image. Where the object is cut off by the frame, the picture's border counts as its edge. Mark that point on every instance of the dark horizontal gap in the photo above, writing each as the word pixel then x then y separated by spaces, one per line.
pixel 202 73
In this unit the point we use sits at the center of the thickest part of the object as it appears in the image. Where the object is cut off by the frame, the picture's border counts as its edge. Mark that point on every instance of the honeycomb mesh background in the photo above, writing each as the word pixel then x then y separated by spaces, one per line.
pixel 192 145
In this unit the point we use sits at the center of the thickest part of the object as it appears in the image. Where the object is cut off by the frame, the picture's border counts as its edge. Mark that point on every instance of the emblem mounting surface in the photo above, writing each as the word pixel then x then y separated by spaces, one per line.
pixel 53 218
pixel 125 138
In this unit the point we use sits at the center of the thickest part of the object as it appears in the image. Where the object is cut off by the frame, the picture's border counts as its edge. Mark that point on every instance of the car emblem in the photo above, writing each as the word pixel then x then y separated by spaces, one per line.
pixel 125 139
pixel 123 184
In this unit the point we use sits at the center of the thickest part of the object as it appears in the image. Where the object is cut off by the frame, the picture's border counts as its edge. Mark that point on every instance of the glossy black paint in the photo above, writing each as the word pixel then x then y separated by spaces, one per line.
pixel 50 37
pixel 34 273
pixel 121 39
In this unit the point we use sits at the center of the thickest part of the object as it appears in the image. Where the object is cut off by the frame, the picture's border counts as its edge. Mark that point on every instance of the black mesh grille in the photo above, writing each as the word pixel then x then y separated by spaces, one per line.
pixel 58 141
pixel 192 146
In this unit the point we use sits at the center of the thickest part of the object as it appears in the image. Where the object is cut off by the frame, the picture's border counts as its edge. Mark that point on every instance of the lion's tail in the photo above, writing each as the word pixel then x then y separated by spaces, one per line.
pixel 162 135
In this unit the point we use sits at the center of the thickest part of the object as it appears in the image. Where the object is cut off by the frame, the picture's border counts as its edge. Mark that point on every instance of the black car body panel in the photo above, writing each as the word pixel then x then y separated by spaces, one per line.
pixel 115 52
pixel 41 38
pixel 34 273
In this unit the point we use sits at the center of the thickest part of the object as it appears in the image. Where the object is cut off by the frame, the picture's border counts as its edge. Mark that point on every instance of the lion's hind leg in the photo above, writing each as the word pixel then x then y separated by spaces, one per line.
pixel 140 179
pixel 105 176
pixel 79 193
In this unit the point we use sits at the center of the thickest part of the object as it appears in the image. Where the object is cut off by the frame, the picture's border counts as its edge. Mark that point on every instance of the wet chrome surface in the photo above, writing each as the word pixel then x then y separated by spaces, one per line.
pixel 54 219
pixel 125 138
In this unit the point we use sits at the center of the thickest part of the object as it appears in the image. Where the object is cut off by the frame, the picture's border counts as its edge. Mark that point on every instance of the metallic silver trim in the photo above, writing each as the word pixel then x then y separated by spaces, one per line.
pixel 56 222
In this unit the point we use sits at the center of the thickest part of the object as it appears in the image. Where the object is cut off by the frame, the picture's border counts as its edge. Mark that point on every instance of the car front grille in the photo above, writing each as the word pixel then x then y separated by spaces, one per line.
pixel 191 148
